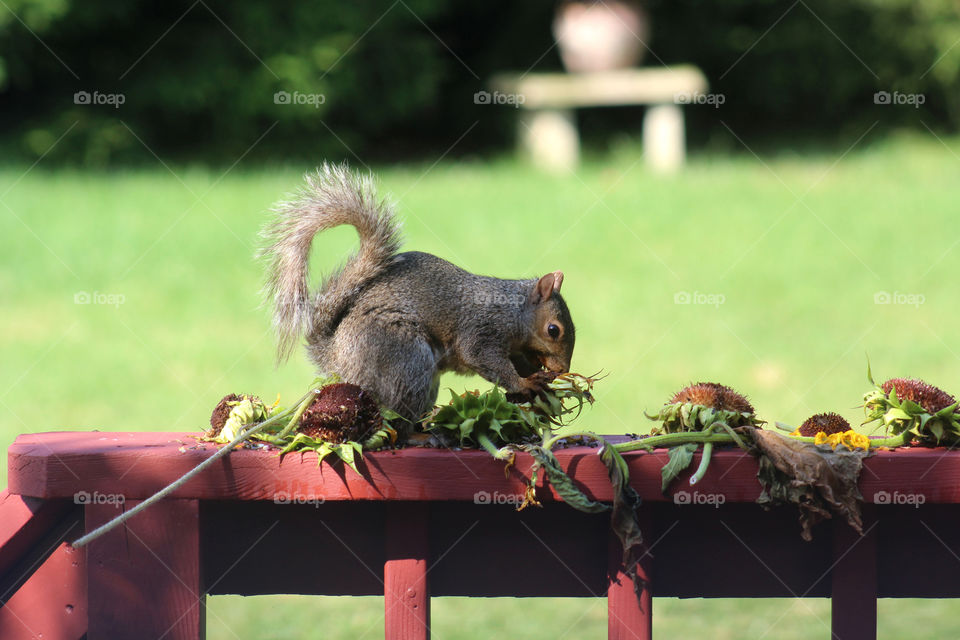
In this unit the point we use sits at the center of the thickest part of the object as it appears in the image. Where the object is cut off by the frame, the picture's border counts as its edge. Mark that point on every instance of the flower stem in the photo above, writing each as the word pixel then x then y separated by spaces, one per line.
pixel 548 444
pixel 704 463
pixel 673 439
pixel 302 405
pixel 484 441
pixel 173 486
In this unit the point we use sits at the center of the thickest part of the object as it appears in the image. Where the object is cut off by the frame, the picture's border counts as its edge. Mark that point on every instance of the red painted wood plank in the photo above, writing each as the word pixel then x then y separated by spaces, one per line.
pixel 23 524
pixel 144 578
pixel 51 465
pixel 854 581
pixel 52 604
pixel 136 465
pixel 630 618
pixel 405 586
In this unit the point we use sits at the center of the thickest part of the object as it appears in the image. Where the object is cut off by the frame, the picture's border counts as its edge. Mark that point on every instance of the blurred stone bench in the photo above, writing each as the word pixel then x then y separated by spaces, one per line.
pixel 548 129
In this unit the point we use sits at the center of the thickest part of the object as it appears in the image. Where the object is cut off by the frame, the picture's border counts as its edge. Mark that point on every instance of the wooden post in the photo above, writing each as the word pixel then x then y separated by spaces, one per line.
pixel 143 578
pixel 854 577
pixel 630 618
pixel 664 147
pixel 405 588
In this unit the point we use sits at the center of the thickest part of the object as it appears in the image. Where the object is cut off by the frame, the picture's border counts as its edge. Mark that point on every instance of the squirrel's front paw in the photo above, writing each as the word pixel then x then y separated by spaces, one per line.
pixel 532 386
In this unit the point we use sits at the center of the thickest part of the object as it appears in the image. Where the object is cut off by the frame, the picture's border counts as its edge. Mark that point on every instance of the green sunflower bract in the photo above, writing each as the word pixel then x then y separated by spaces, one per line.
pixel 491 421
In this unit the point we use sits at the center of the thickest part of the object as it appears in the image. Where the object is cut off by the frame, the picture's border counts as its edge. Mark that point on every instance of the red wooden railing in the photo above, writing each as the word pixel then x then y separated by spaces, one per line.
pixel 419 523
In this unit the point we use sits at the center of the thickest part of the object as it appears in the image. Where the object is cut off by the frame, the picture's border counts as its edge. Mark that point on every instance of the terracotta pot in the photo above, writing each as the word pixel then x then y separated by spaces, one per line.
pixel 600 36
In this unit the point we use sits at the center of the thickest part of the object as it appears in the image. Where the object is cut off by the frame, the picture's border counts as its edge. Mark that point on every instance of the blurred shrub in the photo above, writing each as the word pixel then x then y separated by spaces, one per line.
pixel 815 65
pixel 206 80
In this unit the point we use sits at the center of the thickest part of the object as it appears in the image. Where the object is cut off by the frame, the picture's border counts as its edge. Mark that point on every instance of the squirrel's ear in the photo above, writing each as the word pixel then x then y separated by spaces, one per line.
pixel 557 281
pixel 546 286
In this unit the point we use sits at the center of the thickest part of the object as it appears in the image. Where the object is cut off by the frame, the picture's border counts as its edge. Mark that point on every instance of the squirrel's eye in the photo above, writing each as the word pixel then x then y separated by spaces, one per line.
pixel 553 330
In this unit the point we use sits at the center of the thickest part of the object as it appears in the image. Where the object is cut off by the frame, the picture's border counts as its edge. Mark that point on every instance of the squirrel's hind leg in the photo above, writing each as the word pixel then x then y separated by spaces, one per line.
pixel 398 367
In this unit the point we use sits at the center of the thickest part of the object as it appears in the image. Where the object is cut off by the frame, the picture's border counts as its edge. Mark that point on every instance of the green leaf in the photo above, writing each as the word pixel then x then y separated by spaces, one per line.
pixel 895 413
pixel 466 428
pixel 562 483
pixel 345 452
pixel 323 450
pixel 936 428
pixel 680 458
pixel 911 407
pixel 947 410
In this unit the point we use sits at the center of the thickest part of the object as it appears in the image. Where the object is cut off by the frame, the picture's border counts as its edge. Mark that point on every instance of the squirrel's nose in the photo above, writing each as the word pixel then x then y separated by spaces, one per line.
pixel 556 365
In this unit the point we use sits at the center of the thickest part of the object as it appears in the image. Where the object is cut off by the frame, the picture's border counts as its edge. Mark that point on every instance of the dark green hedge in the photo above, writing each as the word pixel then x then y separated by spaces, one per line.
pixel 198 80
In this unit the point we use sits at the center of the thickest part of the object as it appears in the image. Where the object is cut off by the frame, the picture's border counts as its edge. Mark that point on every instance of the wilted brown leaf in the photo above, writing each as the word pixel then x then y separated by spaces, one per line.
pixel 820 481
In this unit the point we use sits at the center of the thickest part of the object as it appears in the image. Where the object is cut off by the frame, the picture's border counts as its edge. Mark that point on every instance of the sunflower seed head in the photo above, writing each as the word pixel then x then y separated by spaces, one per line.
pixel 341 412
pixel 828 423
pixel 716 396
pixel 926 395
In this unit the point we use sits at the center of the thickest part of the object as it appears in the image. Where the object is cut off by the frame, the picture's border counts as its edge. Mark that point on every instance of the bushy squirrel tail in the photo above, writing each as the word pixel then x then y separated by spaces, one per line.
pixel 332 196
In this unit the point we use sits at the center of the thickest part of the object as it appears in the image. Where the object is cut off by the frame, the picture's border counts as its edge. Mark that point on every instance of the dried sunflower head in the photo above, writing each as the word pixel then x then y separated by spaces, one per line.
pixel 929 397
pixel 341 412
pixel 912 407
pixel 828 423
pixel 699 406
pixel 234 413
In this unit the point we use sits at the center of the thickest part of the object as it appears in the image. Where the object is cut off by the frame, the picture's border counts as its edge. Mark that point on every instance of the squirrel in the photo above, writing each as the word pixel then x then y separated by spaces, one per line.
pixel 392 322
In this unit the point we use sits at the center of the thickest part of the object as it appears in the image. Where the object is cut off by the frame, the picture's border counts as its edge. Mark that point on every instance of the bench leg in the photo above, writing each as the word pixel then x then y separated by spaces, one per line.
pixel 143 579
pixel 630 618
pixel 854 595
pixel 549 138
pixel 405 589
pixel 663 138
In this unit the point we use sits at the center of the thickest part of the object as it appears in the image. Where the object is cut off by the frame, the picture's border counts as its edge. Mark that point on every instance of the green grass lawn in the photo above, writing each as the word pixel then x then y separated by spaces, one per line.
pixel 792 250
